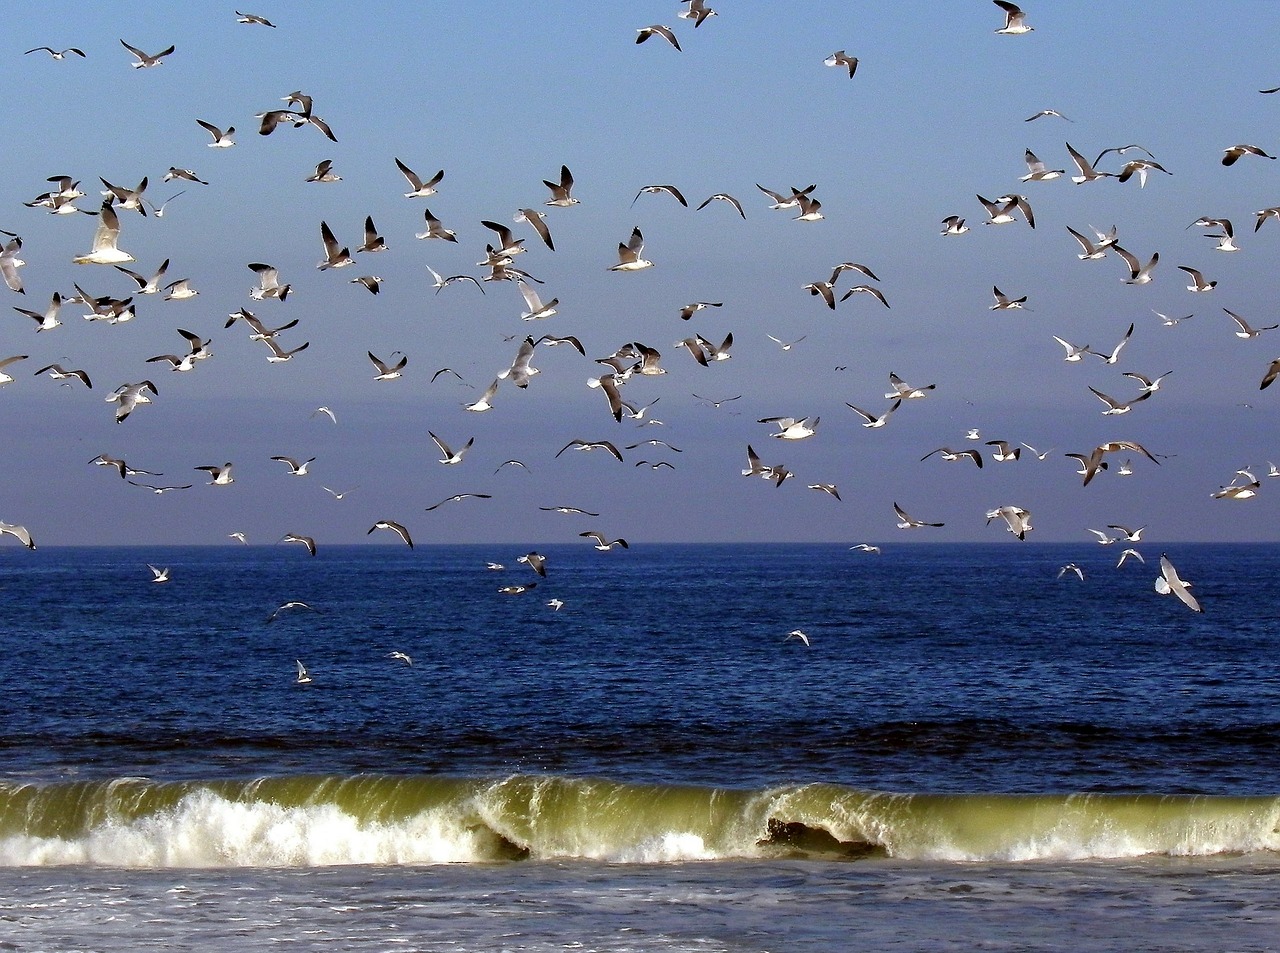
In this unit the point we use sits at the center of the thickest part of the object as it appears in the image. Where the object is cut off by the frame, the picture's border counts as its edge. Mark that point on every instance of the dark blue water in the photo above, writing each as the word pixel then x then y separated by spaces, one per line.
pixel 931 668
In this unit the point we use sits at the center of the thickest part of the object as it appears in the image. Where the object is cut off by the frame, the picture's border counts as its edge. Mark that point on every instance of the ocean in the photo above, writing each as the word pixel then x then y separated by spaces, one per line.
pixel 973 751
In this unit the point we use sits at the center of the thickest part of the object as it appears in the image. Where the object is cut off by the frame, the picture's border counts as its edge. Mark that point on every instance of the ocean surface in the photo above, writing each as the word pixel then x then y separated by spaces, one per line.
pixel 971 752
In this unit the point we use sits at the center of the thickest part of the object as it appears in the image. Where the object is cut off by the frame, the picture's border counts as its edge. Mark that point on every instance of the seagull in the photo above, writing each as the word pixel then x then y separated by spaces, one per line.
pixel 10 263
pixel 373 242
pixel 485 400
pixel 537 309
pixel 339 495
pixel 144 59
pixel 866 548
pixel 537 221
pixel 179 290
pixel 1047 112
pixel 1197 280
pixel 829 488
pixel 1264 214
pixel 787 345
pixel 219 475
pixel 324 172
pixel 1014 18
pixel 1149 385
pixel 629 254
pixel 906 522
pixel 1115 352
pixel 1138 274
pixel 419 189
pixel 839 58
pixel 556 604
pixel 1169 582
pixel 304 540
pixel 568 510
pixel 1088 250
pixel 146 286
pixel 1075 353
pixel 777 474
pixel 296 468
pixel 1126 554
pixel 797 634
pixel 126 197
pixel 57 54
pixel 221 139
pixel 1273 371
pixel 1000 212
pixel 1003 452
pixel 561 195
pixel 1103 539
pixel 1169 322
pixel 1003 302
pixel 239 536
pixel 159 490
pixel 698 12
pixel 1245 330
pixel 17 532
pixel 716 403
pixel 1229 156
pixel 517 589
pixel 535 561
pixel 1038 454
pixel 436 229
pixel 1128 535
pixel 873 421
pixel 1087 173
pixel 1036 170
pixel 293 604
pixel 457 498
pixel 865 289
pixel 1071 567
pixel 602 544
pixel 1017 519
pixel 396 528
pixel 102 460
pixel 388 372
pixel 158 575
pixel 401 657
pixel 521 369
pixel 901 388
pixel 658 190
pixel 128 396
pixel 789 428
pixel 953 455
pixel 105 249
pixel 723 197
pixel 1141 167
pixel 954 225
pixel 278 355
pixel 268 283
pixel 441 282
pixel 663 31
pixel 450 457
pixel 303 678
pixel 335 256
pixel 591 445
pixel 59 373
pixel 253 18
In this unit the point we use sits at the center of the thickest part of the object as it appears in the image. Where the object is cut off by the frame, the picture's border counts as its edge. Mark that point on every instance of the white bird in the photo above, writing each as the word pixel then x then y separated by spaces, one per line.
pixel 219 475
pixel 789 428
pixel 278 354
pixel 1169 582
pixel 10 263
pixel 906 522
pixel 786 346
pixel 450 457
pixel 1004 452
pixel 867 548
pixel 1128 535
pixel 537 221
pixel 603 544
pixel 1103 539
pixel 296 467
pixel 388 372
pixel 1245 330
pixel 268 283
pixel 1014 19
pixel 1139 274
pixel 840 58
pixel 146 60
pixel 238 536
pixel 306 541
pixel 1230 155
pixel 1003 302
pixel 797 634
pixel 128 396
pixel 658 190
pixel 324 172
pixel 286 607
pixel 556 604
pixel 1000 212
pixel 436 229
pixel 57 54
pixel 1037 171
pixel 657 29
pixel 401 657
pixel 954 225
pixel 1116 406
pixel 1086 171
pixel 629 254
pixel 950 455
pixel 1197 280
pixel 1089 251
pixel 221 138
pixel 1126 554
pixel 106 238
pixel 485 401
pixel 535 561
pixel 537 309
pixel 1047 112
pixel 872 421
pixel 397 528
pixel 1075 353
pixel 158 575
pixel 1149 385
pixel 1071 567
pixel 303 677
pixel 335 255
pixel 562 193
pixel 418 188
pixel 6 378
pixel 19 533
pixel 1017 519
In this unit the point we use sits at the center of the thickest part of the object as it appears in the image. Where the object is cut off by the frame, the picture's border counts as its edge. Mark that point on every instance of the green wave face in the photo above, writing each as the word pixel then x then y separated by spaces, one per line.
pixel 319 820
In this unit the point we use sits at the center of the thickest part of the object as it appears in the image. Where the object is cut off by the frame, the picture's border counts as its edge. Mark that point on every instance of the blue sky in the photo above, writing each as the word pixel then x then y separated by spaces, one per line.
pixel 500 97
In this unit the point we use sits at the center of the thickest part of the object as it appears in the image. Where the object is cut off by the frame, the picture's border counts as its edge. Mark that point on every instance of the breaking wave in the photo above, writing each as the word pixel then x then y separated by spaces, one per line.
pixel 303 821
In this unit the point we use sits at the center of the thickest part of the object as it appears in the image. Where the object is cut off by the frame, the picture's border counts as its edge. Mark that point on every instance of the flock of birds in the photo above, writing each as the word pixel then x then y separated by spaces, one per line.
pixel 123 208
